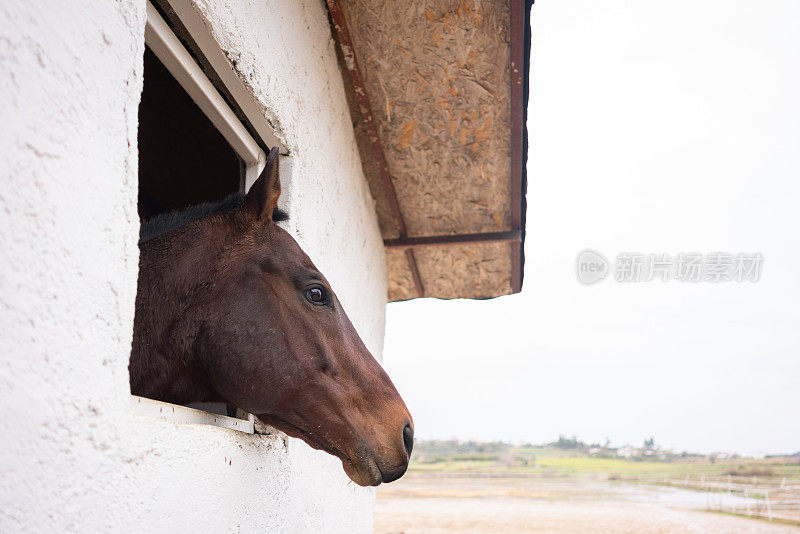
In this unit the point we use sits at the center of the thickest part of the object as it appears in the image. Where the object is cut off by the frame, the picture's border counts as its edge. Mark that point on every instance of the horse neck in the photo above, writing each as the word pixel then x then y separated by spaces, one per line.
pixel 163 363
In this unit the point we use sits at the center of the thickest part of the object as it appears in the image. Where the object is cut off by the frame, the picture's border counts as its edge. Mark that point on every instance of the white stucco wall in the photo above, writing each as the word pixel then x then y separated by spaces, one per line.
pixel 73 455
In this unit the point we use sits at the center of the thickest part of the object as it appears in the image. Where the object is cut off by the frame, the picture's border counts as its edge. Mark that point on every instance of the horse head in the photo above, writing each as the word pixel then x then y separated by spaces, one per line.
pixel 229 308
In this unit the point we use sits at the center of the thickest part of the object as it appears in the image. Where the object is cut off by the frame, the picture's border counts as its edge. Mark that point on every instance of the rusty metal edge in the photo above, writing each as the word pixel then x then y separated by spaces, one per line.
pixel 520 70
pixel 345 44
pixel 512 236
pixel 412 264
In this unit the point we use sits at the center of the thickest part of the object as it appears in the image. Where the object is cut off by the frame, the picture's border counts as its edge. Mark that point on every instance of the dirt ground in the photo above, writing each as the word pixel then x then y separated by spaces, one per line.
pixel 437 503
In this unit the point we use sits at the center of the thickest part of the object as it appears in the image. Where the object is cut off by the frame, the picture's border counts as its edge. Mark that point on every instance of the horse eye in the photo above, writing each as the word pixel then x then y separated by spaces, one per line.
pixel 317 296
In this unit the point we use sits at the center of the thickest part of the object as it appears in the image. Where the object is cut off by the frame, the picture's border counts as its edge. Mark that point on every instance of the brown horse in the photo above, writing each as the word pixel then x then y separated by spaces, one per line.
pixel 230 309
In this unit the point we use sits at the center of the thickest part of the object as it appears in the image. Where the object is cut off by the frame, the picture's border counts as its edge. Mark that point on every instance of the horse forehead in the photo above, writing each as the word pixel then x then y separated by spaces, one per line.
pixel 284 250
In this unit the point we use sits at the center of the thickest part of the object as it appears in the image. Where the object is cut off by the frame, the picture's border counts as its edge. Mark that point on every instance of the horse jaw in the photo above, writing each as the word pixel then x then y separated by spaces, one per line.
pixel 360 466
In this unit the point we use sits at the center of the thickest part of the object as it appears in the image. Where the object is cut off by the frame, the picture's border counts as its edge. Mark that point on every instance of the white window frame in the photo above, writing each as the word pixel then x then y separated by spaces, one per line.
pixel 181 65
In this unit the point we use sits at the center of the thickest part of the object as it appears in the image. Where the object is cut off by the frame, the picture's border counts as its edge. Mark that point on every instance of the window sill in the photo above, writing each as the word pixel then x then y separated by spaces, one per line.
pixel 182 414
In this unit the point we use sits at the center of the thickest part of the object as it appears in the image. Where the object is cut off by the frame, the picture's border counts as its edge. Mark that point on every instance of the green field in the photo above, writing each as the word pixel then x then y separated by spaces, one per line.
pixel 455 457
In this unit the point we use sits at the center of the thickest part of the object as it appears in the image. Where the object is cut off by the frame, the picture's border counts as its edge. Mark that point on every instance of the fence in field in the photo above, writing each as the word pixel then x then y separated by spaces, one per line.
pixel 767 498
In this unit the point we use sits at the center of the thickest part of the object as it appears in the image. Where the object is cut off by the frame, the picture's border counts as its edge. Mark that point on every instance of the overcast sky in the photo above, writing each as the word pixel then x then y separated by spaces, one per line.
pixel 656 127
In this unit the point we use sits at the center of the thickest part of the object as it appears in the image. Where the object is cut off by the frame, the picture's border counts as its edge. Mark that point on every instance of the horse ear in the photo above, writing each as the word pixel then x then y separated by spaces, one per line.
pixel 262 199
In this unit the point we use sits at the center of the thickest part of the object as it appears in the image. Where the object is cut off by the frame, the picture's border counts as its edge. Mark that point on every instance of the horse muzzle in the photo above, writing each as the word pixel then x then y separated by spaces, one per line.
pixel 365 467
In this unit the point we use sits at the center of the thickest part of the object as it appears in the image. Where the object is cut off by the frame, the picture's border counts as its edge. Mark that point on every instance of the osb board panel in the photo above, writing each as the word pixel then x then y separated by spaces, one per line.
pixel 437 77
pixel 454 271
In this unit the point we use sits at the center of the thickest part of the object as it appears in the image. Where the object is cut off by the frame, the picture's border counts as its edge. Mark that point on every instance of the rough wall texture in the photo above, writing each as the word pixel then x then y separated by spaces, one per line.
pixel 73 456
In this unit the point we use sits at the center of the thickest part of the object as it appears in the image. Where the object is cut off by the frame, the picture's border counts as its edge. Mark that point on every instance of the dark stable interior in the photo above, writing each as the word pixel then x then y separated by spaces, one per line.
pixel 183 159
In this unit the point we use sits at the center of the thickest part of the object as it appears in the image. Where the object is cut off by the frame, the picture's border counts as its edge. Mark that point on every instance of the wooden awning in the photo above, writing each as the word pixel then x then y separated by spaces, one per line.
pixel 438 97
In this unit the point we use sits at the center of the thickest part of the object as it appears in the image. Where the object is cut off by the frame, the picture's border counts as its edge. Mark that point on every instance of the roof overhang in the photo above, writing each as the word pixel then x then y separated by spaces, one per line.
pixel 438 96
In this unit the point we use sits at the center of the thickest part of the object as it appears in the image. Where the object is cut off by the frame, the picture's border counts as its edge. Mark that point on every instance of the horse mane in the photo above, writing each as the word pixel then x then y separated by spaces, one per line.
pixel 167 222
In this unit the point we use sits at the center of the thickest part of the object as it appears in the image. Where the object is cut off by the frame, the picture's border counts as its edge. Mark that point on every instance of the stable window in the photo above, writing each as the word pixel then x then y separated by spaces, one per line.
pixel 195 145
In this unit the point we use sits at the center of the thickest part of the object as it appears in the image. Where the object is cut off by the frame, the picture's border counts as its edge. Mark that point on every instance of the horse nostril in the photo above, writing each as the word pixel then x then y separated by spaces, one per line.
pixel 408 438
